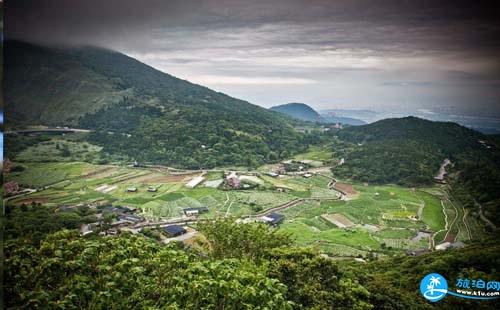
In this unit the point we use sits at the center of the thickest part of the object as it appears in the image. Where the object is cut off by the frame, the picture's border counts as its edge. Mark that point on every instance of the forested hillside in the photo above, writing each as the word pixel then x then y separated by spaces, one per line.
pixel 141 112
pixel 409 151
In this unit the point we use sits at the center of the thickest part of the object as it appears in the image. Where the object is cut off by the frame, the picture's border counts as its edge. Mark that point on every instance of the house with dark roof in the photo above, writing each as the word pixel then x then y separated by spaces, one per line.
pixel 273 219
pixel 131 218
pixel 112 209
pixel 118 209
pixel 195 211
pixel 174 230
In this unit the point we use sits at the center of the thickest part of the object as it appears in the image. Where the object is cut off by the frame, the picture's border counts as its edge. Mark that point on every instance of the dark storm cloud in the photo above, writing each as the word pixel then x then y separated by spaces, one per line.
pixel 466 22
pixel 441 51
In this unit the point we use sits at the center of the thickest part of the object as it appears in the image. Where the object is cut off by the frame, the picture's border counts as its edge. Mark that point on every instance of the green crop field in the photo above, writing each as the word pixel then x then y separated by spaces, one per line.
pixel 318 153
pixel 382 219
pixel 386 219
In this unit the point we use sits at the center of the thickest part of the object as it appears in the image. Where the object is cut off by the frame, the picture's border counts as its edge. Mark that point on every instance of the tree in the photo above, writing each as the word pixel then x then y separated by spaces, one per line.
pixel 229 239
pixel 315 282
pixel 130 271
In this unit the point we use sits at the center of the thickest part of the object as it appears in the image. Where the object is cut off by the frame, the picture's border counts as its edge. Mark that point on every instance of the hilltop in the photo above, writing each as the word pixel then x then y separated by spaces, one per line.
pixel 303 112
pixel 410 150
pixel 299 111
pixel 138 111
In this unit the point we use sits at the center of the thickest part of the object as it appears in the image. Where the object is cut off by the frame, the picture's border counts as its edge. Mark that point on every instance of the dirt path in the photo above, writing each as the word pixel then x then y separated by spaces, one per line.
pixel 446 226
pixel 229 208
pixel 464 220
pixel 421 210
pixel 454 221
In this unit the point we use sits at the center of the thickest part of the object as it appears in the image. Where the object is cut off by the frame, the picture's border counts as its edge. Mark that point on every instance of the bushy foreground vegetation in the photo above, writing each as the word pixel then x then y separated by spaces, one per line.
pixel 238 266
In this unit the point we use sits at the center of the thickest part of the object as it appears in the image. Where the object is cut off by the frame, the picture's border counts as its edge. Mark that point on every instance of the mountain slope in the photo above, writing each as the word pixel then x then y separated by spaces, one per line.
pixel 409 151
pixel 139 111
pixel 299 111
pixel 47 86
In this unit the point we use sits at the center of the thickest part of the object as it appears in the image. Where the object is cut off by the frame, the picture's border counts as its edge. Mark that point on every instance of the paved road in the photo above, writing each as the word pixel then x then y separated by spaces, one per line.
pixel 61 130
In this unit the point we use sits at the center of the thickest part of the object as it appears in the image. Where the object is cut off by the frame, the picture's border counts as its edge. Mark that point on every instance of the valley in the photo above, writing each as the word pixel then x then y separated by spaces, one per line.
pixel 340 218
pixel 127 187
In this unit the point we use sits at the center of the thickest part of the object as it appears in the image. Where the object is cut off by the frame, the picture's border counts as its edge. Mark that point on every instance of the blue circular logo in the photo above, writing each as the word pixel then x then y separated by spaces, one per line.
pixel 433 287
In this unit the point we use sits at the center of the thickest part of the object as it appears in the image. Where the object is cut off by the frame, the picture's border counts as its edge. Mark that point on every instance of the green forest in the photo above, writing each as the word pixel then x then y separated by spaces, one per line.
pixel 138 111
pixel 409 151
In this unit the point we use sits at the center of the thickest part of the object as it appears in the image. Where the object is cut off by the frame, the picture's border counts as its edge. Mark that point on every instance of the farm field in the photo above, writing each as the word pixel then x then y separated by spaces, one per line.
pixel 75 183
pixel 380 219
pixel 373 219
pixel 315 153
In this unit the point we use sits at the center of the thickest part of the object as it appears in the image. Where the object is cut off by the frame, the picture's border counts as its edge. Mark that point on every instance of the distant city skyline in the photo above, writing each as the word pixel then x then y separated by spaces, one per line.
pixel 381 55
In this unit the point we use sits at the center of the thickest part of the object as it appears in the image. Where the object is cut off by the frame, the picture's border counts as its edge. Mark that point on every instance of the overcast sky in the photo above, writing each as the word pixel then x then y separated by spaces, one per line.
pixel 399 55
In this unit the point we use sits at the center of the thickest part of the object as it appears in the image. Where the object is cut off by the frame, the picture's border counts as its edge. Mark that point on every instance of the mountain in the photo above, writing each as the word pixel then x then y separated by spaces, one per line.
pixel 410 150
pixel 304 112
pixel 299 111
pixel 407 150
pixel 138 111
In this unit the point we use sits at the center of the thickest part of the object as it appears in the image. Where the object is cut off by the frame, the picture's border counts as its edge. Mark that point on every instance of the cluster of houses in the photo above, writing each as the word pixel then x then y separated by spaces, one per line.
pixel 233 180
pixel 296 167
pixel 123 216
pixel 272 219
pixel 11 188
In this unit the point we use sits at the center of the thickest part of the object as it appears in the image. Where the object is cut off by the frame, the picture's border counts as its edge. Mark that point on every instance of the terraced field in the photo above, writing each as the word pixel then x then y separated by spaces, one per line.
pixel 74 183
pixel 386 219
pixel 380 219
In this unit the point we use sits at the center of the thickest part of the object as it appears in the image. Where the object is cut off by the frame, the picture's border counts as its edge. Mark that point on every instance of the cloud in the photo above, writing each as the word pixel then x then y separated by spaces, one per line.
pixel 355 52
pixel 409 83
pixel 238 80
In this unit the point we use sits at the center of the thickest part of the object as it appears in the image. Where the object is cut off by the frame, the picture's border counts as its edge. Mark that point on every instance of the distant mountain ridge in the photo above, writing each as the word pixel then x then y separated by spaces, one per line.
pixel 299 111
pixel 304 112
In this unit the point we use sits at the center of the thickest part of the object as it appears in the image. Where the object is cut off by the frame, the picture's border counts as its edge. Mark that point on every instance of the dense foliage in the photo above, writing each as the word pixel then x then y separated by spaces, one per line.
pixel 33 222
pixel 406 151
pixel 65 270
pixel 131 272
pixel 194 137
pixel 229 239
pixel 141 112
pixel 14 144
pixel 394 282
pixel 409 151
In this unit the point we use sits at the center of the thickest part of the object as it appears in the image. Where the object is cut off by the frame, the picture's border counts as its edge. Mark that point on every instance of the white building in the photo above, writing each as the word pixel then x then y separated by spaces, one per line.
pixel 195 181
